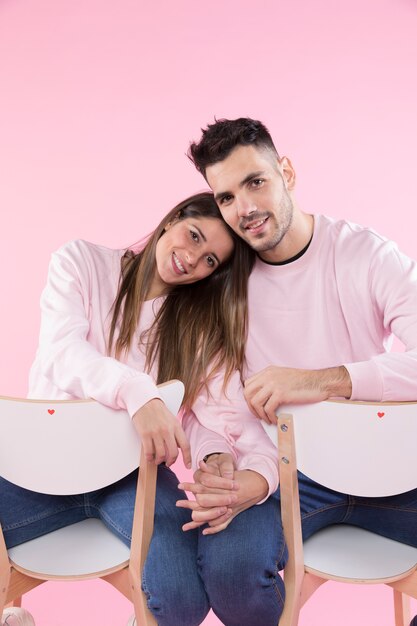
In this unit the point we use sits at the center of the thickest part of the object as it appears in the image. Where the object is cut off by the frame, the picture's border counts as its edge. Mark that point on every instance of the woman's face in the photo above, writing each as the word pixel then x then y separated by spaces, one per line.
pixel 189 250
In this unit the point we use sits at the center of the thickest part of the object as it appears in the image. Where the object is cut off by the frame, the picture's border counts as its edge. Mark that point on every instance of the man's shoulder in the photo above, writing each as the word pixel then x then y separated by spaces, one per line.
pixel 341 229
pixel 349 239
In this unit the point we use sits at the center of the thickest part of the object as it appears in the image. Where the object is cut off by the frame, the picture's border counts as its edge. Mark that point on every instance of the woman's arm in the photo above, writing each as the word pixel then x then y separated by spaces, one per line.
pixel 71 355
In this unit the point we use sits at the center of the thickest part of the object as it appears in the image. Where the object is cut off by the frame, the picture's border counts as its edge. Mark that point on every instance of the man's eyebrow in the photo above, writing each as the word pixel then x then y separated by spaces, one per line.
pixel 242 183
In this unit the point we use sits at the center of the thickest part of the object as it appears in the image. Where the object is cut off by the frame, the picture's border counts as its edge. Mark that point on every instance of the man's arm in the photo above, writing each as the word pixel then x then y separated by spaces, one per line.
pixel 268 389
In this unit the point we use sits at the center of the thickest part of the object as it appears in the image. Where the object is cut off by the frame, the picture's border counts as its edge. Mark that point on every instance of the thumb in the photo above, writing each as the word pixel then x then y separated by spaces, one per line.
pixel 226 466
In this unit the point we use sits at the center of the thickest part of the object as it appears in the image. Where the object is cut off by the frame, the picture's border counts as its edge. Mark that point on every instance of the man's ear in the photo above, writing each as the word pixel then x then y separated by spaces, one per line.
pixel 288 172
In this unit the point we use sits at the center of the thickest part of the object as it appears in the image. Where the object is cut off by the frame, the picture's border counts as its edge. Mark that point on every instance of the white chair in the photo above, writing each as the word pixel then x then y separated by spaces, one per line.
pixel 363 449
pixel 70 447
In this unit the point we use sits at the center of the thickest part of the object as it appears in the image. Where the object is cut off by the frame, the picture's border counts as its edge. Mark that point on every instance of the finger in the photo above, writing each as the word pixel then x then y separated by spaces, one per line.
pixel 191 505
pixel 208 468
pixel 191 487
pixel 258 403
pixel 220 520
pixel 208 500
pixel 216 529
pixel 160 451
pixel 148 448
pixel 207 515
pixel 217 482
pixel 192 525
pixel 270 409
pixel 251 380
pixel 183 444
pixel 171 450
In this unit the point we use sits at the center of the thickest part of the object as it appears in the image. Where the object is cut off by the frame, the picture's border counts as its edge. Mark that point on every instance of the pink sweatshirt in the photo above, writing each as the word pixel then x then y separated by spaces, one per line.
pixel 338 304
pixel 71 360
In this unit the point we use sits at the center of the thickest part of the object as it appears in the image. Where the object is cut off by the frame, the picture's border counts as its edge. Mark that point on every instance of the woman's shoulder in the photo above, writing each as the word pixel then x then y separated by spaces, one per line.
pixel 79 250
pixel 83 258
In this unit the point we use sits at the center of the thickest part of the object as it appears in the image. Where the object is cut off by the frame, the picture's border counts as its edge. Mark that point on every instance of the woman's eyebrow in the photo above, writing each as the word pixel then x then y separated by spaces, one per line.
pixel 202 235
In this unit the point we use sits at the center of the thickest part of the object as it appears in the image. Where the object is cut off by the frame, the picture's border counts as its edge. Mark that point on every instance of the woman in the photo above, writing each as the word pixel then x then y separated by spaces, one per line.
pixel 114 324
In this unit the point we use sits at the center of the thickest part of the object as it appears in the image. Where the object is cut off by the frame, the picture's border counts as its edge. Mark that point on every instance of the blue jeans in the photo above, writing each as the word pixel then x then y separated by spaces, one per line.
pixel 175 593
pixel 240 565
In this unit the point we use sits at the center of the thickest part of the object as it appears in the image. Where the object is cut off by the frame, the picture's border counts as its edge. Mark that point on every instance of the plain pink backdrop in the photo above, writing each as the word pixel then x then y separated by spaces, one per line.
pixel 98 102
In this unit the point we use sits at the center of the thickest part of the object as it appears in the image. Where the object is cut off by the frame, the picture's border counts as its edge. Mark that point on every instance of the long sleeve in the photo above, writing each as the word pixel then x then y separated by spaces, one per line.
pixel 75 305
pixel 222 422
pixel 391 289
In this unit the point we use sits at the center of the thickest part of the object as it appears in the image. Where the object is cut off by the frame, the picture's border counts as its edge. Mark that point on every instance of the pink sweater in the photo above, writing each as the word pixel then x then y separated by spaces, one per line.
pixel 71 360
pixel 338 304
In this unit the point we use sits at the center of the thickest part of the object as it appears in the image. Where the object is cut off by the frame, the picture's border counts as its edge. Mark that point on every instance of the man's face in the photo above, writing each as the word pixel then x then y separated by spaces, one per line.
pixel 251 188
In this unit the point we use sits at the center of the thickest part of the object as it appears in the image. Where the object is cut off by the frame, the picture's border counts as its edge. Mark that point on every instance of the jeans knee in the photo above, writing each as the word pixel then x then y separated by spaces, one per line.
pixel 180 603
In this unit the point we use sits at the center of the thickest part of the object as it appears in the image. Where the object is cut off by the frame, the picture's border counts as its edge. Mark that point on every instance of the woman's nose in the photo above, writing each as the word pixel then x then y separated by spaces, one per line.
pixel 190 258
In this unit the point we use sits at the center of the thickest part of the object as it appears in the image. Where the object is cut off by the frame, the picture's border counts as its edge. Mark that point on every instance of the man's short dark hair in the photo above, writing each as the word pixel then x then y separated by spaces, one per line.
pixel 219 139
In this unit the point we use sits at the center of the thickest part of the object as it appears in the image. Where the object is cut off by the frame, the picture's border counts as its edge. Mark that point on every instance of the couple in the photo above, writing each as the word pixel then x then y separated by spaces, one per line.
pixel 323 298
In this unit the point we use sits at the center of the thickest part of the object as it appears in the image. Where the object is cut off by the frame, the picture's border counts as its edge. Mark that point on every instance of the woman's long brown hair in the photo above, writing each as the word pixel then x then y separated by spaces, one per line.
pixel 201 328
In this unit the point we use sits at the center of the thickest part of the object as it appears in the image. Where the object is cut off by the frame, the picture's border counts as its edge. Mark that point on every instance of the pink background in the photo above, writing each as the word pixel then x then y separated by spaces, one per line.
pixel 98 101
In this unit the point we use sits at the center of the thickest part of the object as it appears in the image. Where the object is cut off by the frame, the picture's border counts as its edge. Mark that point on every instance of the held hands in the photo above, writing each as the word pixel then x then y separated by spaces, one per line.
pixel 268 389
pixel 221 493
pixel 161 434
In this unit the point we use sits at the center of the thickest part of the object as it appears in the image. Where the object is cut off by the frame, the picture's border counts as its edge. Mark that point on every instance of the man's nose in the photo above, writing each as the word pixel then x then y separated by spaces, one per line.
pixel 245 207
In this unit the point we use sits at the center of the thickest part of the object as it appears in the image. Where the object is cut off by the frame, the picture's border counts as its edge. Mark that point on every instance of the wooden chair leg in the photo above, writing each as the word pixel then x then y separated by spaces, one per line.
pixel 141 537
pixel 293 585
pixel 4 572
pixel 401 608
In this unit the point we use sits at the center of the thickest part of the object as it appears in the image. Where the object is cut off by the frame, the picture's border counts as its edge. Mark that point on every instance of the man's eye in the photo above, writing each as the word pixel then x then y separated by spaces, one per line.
pixel 210 261
pixel 257 182
pixel 226 199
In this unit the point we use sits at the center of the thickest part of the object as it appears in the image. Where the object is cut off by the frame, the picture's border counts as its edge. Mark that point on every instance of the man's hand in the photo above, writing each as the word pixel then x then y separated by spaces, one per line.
pixel 161 434
pixel 268 389
pixel 218 499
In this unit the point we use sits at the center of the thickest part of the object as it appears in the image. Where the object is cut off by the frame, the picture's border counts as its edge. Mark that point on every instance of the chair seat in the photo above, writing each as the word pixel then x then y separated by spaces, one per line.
pixel 349 552
pixel 79 550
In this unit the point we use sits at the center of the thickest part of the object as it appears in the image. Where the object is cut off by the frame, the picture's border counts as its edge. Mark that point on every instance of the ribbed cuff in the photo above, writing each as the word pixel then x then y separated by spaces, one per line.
pixel 367 382
pixel 136 392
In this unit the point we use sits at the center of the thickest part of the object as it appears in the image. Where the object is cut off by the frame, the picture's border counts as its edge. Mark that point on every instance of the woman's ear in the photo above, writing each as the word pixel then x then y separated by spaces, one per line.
pixel 173 221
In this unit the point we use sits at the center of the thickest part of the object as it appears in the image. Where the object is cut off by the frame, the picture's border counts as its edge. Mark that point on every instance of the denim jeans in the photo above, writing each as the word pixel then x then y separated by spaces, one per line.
pixel 240 565
pixel 175 592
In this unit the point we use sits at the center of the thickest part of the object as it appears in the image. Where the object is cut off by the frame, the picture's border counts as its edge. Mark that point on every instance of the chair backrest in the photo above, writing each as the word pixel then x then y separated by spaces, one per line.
pixel 360 448
pixel 67 447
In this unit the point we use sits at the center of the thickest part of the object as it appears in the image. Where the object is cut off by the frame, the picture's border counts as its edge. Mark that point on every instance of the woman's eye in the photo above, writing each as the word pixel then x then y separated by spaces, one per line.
pixel 210 261
pixel 194 235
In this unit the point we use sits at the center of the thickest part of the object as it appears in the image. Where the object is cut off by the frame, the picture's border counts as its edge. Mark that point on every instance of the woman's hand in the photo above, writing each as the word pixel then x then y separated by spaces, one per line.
pixel 218 499
pixel 161 434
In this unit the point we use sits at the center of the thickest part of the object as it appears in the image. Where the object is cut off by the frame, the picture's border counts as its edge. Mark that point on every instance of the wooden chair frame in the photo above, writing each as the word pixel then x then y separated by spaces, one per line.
pixel 300 580
pixel 126 576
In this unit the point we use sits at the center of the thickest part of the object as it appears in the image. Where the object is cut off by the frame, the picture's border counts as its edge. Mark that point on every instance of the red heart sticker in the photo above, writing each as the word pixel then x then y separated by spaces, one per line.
pixel 51 411
pixel 380 414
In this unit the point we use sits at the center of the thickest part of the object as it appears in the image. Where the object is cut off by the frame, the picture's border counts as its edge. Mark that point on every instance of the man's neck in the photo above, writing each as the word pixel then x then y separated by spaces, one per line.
pixel 294 241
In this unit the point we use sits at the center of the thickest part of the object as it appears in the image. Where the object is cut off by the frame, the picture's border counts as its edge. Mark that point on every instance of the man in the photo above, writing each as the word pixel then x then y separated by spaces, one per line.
pixel 324 299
